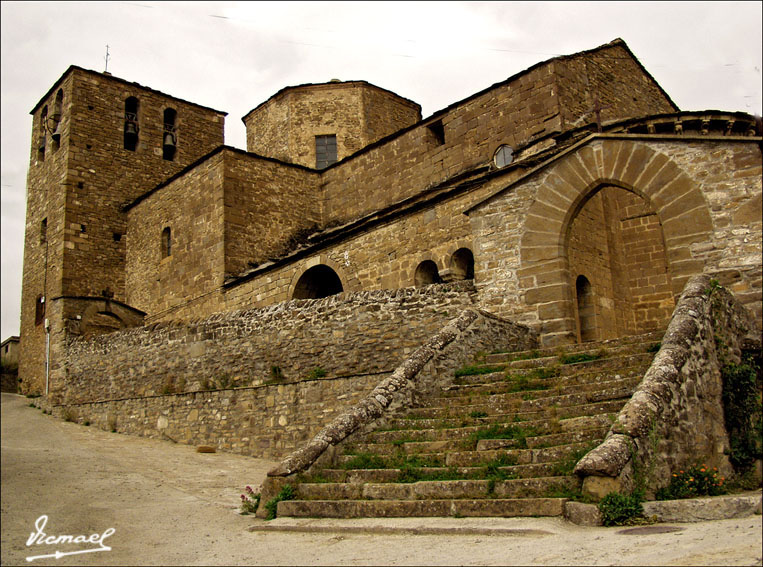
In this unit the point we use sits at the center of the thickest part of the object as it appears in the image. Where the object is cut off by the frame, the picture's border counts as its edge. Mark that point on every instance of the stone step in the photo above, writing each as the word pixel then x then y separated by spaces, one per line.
pixel 548 372
pixel 545 426
pixel 523 436
pixel 414 421
pixel 360 476
pixel 552 355
pixel 465 395
pixel 515 456
pixel 493 507
pixel 534 401
pixel 494 383
pixel 439 489
pixel 646 340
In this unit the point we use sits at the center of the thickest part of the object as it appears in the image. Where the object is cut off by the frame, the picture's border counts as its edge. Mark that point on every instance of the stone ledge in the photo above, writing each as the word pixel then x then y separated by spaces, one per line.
pixel 685 511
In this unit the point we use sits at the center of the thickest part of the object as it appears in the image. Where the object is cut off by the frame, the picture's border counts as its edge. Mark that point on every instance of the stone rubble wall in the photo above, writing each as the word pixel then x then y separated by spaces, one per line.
pixel 350 333
pixel 675 417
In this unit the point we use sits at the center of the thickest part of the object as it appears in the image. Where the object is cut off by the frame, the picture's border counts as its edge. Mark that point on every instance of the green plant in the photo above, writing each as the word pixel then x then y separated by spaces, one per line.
pixel 316 373
pixel 697 480
pixel 286 493
pixel 620 509
pixel 579 357
pixel 169 386
pixel 250 501
pixel 474 414
pixel 565 466
pixel 69 415
pixel 742 412
pixel 276 374
pixel 473 370
pixel 365 461
pixel 86 424
pixel 653 348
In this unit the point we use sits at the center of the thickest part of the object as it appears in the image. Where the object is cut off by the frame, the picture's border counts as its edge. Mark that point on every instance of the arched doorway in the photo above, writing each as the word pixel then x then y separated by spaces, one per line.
pixel 426 274
pixel 616 240
pixel 317 282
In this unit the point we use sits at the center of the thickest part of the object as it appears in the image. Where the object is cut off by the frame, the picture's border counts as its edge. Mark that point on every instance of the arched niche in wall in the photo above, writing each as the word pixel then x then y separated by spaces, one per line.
pixel 317 282
pixel 426 273
pixel 462 264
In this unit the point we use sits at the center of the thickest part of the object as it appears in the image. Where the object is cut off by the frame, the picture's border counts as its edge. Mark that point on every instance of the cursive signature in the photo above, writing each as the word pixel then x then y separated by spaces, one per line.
pixel 41 538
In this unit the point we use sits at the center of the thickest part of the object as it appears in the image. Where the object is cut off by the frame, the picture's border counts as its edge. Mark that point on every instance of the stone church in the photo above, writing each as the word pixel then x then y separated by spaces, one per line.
pixel 574 197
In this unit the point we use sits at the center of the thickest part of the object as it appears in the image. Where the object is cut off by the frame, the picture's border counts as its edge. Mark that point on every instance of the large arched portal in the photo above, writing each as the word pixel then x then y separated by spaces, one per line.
pixel 317 282
pixel 616 240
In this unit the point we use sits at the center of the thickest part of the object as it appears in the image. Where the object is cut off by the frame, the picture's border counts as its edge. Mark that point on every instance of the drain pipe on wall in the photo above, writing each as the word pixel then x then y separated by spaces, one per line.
pixel 47 354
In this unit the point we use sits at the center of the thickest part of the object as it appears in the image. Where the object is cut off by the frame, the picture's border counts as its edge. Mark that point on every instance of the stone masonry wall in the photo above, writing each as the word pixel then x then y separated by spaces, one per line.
pixel 192 207
pixel 265 204
pixel 358 114
pixel 707 196
pixel 675 417
pixel 513 113
pixel 80 185
pixel 357 333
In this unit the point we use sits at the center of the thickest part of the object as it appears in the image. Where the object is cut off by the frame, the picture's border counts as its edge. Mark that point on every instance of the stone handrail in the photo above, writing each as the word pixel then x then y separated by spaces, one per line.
pixel 398 388
pixel 675 417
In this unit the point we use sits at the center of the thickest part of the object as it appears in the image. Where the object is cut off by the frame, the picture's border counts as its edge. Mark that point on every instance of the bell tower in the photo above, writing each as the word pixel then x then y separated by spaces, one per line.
pixel 98 142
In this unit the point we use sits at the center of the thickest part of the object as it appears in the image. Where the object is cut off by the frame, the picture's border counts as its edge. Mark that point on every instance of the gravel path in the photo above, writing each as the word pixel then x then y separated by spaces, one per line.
pixel 169 505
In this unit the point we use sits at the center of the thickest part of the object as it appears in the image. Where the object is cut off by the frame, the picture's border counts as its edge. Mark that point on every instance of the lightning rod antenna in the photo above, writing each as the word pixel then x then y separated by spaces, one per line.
pixel 106 70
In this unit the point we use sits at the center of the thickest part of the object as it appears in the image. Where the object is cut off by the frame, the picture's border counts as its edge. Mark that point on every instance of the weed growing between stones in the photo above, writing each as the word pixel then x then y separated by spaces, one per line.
pixel 581 357
pixel 620 509
pixel 316 373
pixel 697 480
pixel 249 501
pixel 474 414
pixel 473 370
pixel 501 432
pixel 653 348
pixel 286 493
pixel 567 464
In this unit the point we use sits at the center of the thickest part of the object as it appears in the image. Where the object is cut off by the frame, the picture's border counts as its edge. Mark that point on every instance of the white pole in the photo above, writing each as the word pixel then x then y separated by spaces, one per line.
pixel 47 355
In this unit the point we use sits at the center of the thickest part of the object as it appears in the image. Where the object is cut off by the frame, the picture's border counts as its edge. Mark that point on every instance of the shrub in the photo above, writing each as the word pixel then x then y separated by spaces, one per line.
pixel 620 509
pixel 249 501
pixel 743 413
pixel 287 493
pixel 697 480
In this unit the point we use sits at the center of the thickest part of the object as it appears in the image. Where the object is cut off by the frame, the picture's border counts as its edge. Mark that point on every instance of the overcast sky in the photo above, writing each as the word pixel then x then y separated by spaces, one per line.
pixel 232 56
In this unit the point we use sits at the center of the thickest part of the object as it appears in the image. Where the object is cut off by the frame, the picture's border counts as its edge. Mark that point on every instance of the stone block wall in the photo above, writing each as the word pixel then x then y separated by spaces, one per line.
pixel 356 333
pixel 80 184
pixel 192 208
pixel 358 113
pixel 514 112
pixel 675 418
pixel 706 196
pixel 267 205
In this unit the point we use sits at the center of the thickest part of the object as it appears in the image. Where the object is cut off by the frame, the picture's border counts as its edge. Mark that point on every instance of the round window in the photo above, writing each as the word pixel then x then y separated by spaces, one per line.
pixel 504 155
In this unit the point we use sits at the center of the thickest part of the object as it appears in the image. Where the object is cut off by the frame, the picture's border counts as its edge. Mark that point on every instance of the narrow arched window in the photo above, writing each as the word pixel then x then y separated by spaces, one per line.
pixel 169 137
pixel 131 128
pixel 166 242
pixel 55 120
pixel 43 126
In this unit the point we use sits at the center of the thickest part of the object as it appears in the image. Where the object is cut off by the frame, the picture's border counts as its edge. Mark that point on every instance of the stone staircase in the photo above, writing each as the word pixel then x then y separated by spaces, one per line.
pixel 502 440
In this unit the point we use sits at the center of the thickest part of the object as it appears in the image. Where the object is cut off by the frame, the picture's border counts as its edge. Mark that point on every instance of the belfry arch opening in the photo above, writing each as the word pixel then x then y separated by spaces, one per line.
pixel 618 266
pixel 317 282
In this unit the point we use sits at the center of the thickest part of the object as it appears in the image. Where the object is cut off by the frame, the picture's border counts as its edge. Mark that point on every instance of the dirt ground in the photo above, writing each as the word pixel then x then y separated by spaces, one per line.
pixel 168 505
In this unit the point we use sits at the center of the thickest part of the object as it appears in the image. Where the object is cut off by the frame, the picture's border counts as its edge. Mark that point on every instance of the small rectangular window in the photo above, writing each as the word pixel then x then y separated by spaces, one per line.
pixel 325 151
pixel 438 130
pixel 44 231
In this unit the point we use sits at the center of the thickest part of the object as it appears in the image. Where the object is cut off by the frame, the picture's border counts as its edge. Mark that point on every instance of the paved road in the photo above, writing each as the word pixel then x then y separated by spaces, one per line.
pixel 168 505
